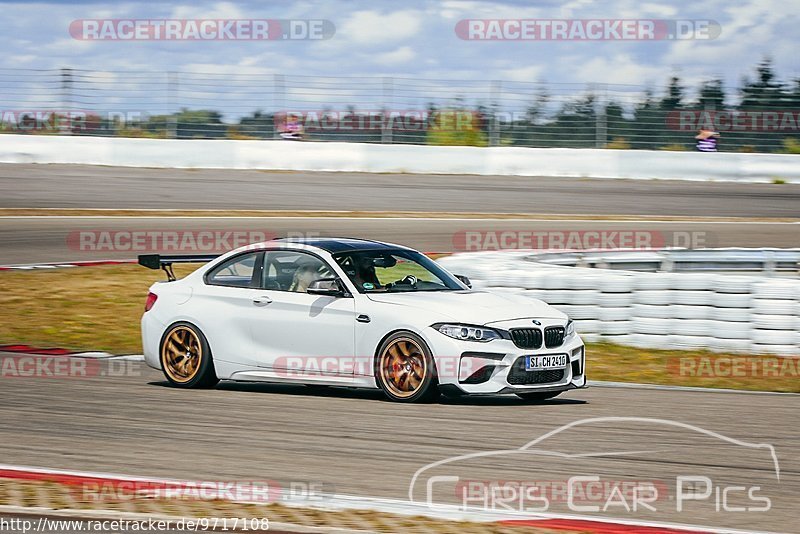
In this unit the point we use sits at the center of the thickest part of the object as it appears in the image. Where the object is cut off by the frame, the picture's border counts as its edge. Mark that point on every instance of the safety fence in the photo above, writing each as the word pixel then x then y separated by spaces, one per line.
pixel 389 110
pixel 729 313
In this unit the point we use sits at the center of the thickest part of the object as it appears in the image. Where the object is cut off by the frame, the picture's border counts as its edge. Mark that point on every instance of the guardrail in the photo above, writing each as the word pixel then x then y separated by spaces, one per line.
pixel 730 313
pixel 365 157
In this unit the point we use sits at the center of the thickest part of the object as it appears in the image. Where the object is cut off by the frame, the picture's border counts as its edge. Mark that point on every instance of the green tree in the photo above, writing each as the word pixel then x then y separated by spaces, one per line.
pixel 456 127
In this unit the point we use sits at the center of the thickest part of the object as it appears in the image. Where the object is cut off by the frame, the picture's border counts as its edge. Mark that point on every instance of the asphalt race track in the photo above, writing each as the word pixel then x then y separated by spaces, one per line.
pixel 107 187
pixel 355 443
pixel 26 240
pixel 52 239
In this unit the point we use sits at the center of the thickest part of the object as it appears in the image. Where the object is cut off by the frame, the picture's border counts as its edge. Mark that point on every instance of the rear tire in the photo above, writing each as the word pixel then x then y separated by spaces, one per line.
pixel 186 357
pixel 539 396
pixel 405 369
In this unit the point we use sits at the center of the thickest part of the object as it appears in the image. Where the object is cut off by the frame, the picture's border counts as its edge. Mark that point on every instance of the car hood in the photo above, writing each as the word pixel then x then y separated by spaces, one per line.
pixel 471 307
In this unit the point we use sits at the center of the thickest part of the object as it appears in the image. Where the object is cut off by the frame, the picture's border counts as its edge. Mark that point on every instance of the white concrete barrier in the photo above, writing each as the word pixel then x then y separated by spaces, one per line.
pixel 363 157
pixel 653 310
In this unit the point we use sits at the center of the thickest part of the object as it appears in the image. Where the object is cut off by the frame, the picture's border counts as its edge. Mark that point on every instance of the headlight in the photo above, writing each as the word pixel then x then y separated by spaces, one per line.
pixel 570 328
pixel 468 333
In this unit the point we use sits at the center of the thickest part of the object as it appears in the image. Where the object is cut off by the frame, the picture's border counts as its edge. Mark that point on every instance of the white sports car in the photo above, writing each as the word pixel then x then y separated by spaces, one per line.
pixel 356 313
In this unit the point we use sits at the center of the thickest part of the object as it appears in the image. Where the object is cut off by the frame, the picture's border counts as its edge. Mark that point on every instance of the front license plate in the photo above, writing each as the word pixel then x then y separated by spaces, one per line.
pixel 540 363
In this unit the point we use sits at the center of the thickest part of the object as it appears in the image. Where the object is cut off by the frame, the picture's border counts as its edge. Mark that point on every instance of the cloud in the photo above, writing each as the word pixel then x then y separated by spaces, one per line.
pixel 218 10
pixel 522 74
pixel 620 68
pixel 415 42
pixel 373 27
pixel 399 55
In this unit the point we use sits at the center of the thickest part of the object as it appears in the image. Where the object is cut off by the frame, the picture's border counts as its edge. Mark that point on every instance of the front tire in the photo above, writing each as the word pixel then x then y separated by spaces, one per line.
pixel 405 369
pixel 539 396
pixel 186 357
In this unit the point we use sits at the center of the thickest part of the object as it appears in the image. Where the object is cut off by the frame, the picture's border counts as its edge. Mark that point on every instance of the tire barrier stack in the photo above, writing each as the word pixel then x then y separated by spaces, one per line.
pixel 730 313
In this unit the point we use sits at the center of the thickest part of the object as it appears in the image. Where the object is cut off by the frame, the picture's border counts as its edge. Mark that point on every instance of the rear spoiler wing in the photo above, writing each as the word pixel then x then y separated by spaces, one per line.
pixel 157 261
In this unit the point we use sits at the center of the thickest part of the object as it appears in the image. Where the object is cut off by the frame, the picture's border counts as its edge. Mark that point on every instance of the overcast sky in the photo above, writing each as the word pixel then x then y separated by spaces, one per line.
pixel 416 39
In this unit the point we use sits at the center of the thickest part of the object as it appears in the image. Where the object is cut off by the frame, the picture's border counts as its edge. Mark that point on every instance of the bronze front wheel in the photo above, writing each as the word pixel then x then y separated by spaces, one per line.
pixel 186 357
pixel 405 369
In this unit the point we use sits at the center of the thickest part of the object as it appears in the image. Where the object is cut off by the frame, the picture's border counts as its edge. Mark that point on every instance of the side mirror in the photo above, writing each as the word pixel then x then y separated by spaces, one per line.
pixel 329 287
pixel 464 280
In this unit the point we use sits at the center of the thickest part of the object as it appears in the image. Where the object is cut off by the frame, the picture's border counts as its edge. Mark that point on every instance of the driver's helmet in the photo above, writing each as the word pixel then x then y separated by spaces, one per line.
pixel 364 267
pixel 303 276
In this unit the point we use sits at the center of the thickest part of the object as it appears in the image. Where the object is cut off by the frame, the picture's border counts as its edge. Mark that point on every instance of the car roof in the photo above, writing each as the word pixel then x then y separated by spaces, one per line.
pixel 334 245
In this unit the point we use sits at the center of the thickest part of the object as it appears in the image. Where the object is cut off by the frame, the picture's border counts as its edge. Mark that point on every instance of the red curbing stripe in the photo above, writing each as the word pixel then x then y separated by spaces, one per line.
pixel 27 349
pixel 91 263
pixel 121 485
pixel 99 262
pixel 596 527
pixel 60 264
pixel 66 479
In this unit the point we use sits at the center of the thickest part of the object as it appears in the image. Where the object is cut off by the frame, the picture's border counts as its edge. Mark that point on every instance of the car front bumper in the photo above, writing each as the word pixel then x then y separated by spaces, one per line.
pixel 497 367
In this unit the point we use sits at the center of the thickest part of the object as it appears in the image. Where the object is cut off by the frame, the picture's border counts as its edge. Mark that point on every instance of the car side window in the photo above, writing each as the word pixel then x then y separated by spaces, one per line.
pixel 239 271
pixel 288 270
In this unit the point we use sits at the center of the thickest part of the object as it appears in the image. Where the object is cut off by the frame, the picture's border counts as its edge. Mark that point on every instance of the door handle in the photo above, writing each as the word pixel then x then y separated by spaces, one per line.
pixel 262 299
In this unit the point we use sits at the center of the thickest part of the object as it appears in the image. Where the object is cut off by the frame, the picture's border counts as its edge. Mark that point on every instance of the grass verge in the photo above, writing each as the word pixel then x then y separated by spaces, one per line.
pixel 99 308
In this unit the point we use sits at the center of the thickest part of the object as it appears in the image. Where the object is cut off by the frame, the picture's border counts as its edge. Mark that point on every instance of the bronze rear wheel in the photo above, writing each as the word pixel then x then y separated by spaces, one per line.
pixel 181 354
pixel 186 358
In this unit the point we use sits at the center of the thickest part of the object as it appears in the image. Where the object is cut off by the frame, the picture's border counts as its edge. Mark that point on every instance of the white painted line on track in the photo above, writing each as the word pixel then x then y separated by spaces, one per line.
pixel 665 387
pixel 404 219
pixel 129 358
pixel 108 356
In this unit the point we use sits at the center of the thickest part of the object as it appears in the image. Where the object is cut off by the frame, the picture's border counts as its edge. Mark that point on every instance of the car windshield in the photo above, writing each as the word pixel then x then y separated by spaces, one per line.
pixel 389 271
